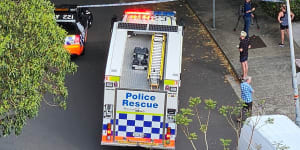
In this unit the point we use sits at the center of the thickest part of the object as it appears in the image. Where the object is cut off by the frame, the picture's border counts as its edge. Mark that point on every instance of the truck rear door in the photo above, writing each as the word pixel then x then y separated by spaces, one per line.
pixel 140 118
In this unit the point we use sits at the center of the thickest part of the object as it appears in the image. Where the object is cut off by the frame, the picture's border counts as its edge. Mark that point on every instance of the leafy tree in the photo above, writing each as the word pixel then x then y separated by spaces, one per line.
pixel 33 62
pixel 273 9
pixel 232 112
pixel 225 143
pixel 183 118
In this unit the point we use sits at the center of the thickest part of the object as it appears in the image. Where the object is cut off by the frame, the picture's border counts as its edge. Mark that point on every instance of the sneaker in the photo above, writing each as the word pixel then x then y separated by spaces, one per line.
pixel 281 45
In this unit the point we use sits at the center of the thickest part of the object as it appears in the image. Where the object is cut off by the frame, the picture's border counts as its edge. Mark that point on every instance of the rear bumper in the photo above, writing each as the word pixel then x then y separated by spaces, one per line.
pixel 75 49
pixel 137 143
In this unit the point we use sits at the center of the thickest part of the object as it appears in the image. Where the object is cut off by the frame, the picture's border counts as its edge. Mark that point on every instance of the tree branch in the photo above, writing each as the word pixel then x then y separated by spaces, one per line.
pixel 198 116
pixel 53 105
pixel 205 133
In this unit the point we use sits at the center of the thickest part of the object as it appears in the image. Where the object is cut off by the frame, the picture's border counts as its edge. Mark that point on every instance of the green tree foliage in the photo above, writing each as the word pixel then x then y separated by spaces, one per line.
pixel 184 118
pixel 33 62
pixel 273 9
pixel 225 143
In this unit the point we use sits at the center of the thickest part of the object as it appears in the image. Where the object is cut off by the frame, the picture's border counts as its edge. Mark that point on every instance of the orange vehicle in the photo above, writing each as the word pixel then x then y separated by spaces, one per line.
pixel 76 22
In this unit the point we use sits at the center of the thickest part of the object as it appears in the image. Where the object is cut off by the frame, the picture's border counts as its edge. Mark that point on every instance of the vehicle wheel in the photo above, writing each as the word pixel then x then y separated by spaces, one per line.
pixel 83 51
pixel 89 23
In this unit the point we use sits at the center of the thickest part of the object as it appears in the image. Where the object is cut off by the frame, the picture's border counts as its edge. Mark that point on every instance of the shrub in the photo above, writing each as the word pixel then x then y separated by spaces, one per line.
pixel 273 9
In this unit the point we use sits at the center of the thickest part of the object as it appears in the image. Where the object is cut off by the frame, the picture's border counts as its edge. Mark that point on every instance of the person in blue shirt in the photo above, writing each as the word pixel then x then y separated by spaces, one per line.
pixel 247 16
pixel 246 94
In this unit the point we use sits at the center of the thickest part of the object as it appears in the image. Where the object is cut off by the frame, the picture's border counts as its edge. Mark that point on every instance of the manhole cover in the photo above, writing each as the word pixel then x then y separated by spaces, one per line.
pixel 257 42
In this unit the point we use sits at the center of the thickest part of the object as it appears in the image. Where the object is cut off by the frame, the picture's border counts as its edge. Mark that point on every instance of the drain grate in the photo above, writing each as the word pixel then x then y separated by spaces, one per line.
pixel 257 42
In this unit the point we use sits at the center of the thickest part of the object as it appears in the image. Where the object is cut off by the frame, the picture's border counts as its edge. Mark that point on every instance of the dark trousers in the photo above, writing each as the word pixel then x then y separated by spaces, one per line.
pixel 247 25
pixel 246 112
pixel 248 107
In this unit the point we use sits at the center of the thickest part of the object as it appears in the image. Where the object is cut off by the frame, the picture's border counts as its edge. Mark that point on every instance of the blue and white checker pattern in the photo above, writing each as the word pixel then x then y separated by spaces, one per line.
pixel 150 126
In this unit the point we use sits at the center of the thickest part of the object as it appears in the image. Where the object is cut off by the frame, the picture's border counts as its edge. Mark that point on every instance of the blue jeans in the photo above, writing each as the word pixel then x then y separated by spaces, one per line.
pixel 247 25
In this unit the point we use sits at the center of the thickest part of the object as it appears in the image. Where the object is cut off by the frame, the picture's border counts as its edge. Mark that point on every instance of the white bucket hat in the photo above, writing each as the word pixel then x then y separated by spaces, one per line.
pixel 243 34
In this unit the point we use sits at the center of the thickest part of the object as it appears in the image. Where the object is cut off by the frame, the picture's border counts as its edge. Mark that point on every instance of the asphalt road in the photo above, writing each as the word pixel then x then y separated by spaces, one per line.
pixel 79 127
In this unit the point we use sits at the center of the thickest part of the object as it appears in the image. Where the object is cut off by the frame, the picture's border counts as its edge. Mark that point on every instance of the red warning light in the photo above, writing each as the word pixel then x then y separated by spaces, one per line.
pixel 138 12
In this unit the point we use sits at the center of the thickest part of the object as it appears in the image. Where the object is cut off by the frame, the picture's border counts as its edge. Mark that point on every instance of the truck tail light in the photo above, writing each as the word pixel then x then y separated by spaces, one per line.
pixel 168 135
pixel 109 129
pixel 77 39
pixel 108 137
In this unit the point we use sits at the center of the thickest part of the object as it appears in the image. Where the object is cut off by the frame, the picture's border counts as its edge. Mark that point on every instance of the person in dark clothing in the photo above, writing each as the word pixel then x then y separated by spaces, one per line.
pixel 247 15
pixel 284 25
pixel 243 48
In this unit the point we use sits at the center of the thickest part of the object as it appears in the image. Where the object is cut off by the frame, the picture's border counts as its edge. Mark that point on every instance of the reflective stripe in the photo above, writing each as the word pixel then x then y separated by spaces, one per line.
pixel 170 82
pixel 138 141
pixel 112 78
pixel 140 113
pixel 171 144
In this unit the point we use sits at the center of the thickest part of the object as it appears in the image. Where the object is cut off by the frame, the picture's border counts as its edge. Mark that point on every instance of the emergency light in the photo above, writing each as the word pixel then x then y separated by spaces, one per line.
pixel 138 12
pixel 168 135
pixel 108 131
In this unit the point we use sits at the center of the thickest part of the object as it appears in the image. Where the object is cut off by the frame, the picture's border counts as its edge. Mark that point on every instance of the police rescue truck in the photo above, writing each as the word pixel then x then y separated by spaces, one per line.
pixel 142 79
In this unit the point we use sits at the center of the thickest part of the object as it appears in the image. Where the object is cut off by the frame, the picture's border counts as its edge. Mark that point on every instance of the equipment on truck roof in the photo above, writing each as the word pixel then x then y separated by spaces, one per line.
pixel 140 58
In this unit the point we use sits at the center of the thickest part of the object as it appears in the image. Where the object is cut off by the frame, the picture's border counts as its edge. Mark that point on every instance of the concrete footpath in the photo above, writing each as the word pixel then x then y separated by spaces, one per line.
pixel 270 66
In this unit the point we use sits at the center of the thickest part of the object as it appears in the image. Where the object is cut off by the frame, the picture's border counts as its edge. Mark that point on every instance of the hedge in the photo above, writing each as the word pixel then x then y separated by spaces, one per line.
pixel 273 9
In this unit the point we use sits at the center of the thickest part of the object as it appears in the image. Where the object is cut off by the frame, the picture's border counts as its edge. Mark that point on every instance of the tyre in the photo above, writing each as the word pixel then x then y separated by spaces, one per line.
pixel 83 51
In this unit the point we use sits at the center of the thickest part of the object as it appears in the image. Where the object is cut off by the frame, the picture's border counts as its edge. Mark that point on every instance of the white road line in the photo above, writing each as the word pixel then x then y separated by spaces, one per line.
pixel 126 4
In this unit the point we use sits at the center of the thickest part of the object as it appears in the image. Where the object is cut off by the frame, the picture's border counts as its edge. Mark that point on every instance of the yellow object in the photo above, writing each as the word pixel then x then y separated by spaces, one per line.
pixel 170 82
pixel 162 57
pixel 150 57
pixel 112 78
pixel 139 113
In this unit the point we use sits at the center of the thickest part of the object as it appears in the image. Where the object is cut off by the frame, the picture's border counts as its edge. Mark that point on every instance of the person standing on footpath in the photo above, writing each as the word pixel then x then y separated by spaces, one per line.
pixel 284 24
pixel 247 15
pixel 243 48
pixel 246 94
